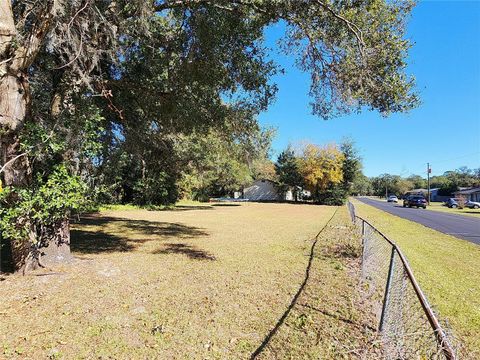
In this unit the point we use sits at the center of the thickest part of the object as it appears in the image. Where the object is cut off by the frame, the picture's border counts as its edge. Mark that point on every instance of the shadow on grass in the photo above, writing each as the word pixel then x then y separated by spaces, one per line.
pixel 338 317
pixel 190 207
pixel 292 304
pixel 100 239
pixel 91 242
pixel 187 250
pixel 226 205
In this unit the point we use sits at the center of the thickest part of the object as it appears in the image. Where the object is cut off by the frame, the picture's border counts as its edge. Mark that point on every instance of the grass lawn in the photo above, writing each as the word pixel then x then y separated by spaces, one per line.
pixel 465 211
pixel 447 268
pixel 196 281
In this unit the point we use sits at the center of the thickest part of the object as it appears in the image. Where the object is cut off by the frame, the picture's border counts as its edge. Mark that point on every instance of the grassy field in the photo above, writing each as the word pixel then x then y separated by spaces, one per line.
pixel 447 268
pixel 195 281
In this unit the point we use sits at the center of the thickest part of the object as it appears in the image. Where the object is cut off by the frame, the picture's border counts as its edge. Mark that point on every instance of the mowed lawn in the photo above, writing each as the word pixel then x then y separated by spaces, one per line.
pixel 447 268
pixel 192 282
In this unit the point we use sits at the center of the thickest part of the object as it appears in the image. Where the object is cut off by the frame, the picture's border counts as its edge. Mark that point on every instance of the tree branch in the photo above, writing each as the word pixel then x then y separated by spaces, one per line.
pixel 11 161
pixel 351 26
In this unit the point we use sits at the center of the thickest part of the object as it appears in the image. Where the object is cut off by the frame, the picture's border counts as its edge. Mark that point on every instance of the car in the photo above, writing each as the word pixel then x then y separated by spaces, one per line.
pixel 453 203
pixel 392 198
pixel 472 204
pixel 417 201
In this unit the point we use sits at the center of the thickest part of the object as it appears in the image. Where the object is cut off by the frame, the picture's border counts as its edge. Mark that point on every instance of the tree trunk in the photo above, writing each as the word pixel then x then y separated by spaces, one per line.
pixel 52 246
pixel 45 246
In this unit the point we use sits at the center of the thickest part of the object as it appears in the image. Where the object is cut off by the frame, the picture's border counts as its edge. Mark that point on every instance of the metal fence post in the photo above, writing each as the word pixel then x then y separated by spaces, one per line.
pixel 387 289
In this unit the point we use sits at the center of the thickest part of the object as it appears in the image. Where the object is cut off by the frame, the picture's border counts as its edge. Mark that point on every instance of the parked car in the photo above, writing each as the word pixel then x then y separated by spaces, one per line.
pixel 453 203
pixel 472 204
pixel 415 201
pixel 392 198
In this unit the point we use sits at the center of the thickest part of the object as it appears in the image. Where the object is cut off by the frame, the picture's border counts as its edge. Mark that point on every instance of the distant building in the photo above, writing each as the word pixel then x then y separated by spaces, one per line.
pixel 433 194
pixel 268 190
pixel 263 190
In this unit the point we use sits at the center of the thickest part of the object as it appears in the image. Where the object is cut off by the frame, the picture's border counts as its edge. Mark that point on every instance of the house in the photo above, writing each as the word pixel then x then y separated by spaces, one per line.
pixel 263 190
pixel 433 194
pixel 472 194
pixel 268 190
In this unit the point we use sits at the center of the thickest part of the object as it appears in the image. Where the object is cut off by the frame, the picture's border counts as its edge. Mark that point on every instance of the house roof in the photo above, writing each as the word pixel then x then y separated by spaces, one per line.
pixel 468 191
pixel 264 180
pixel 421 190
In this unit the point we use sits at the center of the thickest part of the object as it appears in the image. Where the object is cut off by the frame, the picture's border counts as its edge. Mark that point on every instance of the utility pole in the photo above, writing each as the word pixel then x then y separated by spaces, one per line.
pixel 429 170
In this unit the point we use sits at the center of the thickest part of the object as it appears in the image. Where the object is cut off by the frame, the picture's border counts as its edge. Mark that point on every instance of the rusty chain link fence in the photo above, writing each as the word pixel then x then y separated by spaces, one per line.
pixel 407 324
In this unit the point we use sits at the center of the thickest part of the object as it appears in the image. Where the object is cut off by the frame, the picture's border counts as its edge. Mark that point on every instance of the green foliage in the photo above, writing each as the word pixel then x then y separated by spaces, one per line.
pixel 352 164
pixel 287 168
pixel 49 199
pixel 361 186
pixel 157 190
pixel 216 164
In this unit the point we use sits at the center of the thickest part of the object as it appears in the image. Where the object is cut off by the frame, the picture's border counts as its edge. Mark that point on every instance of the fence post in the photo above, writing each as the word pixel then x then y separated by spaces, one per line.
pixel 387 289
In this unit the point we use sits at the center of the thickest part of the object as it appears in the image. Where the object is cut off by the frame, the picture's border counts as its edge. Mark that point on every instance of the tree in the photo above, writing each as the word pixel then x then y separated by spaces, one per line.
pixel 352 164
pixel 321 168
pixel 417 181
pixel 362 186
pixel 137 70
pixel 287 170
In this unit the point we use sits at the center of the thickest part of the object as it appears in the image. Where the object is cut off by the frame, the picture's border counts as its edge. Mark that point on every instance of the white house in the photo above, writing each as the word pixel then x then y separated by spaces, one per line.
pixel 268 190
pixel 263 190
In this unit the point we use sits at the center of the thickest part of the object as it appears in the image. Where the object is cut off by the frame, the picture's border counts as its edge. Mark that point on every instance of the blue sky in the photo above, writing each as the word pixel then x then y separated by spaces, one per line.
pixel 444 130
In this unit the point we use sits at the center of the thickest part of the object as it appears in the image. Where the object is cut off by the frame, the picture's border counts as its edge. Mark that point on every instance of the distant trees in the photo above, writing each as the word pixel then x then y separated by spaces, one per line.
pixel 447 183
pixel 328 172
pixel 362 186
pixel 387 184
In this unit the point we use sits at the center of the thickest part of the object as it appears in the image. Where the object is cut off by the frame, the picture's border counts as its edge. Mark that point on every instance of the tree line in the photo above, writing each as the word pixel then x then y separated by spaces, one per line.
pixel 327 172
pixel 446 184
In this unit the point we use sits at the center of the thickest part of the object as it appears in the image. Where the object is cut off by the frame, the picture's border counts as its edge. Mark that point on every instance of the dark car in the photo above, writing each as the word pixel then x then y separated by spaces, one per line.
pixel 415 201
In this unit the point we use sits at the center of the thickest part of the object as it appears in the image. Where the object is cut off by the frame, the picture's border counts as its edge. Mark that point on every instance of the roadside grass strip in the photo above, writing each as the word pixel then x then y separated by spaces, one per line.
pixel 329 318
pixel 447 269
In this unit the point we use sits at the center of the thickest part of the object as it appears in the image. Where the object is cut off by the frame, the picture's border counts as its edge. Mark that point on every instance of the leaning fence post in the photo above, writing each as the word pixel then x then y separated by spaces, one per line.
pixel 387 289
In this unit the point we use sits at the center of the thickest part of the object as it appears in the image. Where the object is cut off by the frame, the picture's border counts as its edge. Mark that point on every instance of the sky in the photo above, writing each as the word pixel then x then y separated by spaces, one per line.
pixel 444 130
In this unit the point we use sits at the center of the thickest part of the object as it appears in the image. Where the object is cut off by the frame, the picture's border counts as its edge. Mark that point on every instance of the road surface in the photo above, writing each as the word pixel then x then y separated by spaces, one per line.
pixel 463 227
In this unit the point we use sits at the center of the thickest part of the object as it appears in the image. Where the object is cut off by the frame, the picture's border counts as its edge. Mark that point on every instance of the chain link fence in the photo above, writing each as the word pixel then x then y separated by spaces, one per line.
pixel 408 326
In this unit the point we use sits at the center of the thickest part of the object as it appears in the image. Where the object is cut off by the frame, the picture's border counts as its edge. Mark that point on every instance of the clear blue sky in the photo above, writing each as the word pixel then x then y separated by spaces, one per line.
pixel 444 130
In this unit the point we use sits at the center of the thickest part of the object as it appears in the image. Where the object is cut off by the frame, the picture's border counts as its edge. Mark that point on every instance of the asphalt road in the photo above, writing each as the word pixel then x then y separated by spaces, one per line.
pixel 463 227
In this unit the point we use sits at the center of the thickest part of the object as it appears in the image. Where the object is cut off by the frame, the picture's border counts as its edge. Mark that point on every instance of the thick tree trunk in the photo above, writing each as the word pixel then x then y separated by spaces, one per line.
pixel 45 246
pixel 52 247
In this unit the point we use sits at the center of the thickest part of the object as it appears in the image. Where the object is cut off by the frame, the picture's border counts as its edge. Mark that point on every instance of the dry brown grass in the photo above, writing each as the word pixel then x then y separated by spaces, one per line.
pixel 194 282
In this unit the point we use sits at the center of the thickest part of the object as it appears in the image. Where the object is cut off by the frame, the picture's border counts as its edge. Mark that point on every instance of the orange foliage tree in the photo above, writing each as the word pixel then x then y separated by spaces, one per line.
pixel 321 167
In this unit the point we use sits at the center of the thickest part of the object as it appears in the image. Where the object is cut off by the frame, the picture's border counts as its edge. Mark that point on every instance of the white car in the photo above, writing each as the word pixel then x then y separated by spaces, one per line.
pixel 392 198
pixel 472 204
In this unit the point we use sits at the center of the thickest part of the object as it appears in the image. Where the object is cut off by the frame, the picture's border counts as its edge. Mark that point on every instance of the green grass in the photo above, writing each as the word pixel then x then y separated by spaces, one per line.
pixel 465 211
pixel 447 268
pixel 196 281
